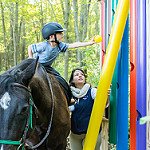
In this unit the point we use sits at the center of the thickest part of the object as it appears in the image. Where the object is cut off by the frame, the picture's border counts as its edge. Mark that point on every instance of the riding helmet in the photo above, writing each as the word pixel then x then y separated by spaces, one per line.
pixel 50 29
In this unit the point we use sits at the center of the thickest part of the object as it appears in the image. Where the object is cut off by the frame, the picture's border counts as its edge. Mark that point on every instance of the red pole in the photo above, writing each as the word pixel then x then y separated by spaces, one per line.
pixel 133 33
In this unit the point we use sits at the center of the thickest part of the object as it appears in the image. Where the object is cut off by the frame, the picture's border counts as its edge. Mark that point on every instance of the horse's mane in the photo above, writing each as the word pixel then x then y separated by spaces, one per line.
pixel 13 73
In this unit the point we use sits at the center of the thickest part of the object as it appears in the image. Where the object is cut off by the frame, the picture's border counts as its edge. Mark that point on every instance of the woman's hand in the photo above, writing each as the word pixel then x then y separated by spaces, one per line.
pixel 109 90
pixel 72 101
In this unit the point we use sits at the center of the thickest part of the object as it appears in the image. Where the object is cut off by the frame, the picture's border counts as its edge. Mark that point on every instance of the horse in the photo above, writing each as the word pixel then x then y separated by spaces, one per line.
pixel 34 112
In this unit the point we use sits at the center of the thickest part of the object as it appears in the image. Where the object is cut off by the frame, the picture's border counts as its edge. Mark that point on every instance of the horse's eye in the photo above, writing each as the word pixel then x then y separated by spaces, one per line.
pixel 24 109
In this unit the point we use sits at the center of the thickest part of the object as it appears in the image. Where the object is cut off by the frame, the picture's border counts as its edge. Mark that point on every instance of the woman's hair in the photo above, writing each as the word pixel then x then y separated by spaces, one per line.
pixel 72 74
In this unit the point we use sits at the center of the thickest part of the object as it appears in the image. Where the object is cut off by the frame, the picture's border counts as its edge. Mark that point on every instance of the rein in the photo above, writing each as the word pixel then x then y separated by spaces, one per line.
pixel 51 118
pixel 21 142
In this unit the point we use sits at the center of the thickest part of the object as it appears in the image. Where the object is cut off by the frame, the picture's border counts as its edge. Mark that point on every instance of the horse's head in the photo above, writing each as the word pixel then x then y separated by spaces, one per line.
pixel 15 104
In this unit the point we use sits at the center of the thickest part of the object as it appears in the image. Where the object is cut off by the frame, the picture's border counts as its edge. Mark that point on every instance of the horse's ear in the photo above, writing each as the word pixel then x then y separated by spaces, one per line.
pixel 29 72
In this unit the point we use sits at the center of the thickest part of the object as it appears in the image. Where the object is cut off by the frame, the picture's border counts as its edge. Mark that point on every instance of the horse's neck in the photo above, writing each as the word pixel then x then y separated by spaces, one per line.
pixel 42 87
pixel 40 93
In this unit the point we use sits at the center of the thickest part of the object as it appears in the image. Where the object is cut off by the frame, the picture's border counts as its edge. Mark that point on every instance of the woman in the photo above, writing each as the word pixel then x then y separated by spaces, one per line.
pixel 83 95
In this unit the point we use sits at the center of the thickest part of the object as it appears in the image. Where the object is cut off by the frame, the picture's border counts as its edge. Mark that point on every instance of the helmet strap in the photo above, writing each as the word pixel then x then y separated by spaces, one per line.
pixel 56 41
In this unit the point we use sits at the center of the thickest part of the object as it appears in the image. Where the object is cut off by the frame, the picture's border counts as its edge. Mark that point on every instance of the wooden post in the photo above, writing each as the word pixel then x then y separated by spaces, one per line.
pixel 105 125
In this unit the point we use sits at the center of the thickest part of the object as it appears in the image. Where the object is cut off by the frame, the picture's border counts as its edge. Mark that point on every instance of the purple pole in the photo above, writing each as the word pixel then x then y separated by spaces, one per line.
pixel 141 73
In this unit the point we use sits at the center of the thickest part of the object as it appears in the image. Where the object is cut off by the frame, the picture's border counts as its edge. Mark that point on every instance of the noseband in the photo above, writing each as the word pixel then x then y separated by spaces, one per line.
pixel 21 142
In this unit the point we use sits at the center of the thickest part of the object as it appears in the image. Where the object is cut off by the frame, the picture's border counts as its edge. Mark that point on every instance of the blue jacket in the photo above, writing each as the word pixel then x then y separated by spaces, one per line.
pixel 81 115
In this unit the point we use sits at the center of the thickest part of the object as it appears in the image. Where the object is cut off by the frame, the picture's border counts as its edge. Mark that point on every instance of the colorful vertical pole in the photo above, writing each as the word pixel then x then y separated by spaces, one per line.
pixel 109 18
pixel 122 102
pixel 106 74
pixel 133 43
pixel 103 28
pixel 113 96
pixel 141 73
pixel 108 24
pixel 148 71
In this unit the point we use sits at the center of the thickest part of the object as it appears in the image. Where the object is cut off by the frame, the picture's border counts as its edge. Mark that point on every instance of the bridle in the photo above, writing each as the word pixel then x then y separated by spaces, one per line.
pixel 21 142
pixel 28 125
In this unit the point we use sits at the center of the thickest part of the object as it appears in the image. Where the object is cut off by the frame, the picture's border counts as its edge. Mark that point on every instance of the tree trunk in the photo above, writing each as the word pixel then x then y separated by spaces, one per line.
pixel 4 35
pixel 10 47
pixel 66 12
pixel 17 32
pixel 19 39
pixel 85 6
pixel 14 23
pixel 76 27
pixel 53 12
pixel 23 42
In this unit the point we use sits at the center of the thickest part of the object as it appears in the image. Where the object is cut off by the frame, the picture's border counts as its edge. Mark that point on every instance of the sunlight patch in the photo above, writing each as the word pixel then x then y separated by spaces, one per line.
pixel 5 101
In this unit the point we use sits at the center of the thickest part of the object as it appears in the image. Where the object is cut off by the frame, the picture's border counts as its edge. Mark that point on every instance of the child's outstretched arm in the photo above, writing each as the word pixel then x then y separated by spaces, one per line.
pixel 81 44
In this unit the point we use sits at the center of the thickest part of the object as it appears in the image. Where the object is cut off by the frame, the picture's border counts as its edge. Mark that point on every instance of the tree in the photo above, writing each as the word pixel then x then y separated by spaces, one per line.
pixel 66 11
pixel 4 35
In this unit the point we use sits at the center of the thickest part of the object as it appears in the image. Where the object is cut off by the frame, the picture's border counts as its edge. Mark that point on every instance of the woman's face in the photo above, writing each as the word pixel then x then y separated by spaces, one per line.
pixel 78 78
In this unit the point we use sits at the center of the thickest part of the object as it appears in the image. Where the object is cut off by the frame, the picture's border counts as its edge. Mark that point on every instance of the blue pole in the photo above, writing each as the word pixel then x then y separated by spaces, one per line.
pixel 141 74
pixel 122 101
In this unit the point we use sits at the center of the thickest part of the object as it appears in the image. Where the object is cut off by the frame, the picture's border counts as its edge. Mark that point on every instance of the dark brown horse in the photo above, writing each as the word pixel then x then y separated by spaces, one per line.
pixel 33 109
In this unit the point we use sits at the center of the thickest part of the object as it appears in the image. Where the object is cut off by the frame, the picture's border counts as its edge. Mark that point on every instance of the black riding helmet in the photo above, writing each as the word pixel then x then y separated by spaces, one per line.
pixel 50 29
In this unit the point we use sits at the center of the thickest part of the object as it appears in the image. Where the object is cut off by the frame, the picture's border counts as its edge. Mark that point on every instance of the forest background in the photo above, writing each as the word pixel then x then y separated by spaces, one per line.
pixel 21 22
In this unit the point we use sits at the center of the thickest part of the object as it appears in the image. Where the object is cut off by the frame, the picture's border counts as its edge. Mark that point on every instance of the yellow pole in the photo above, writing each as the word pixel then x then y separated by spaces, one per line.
pixel 106 75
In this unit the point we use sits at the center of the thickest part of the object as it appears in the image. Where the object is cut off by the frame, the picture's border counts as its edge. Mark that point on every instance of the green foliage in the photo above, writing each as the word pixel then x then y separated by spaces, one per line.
pixel 35 13
pixel 2 48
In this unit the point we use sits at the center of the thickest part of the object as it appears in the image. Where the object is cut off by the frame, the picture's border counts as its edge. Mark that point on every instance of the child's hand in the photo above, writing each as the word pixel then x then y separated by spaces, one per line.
pixel 109 90
pixel 92 40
